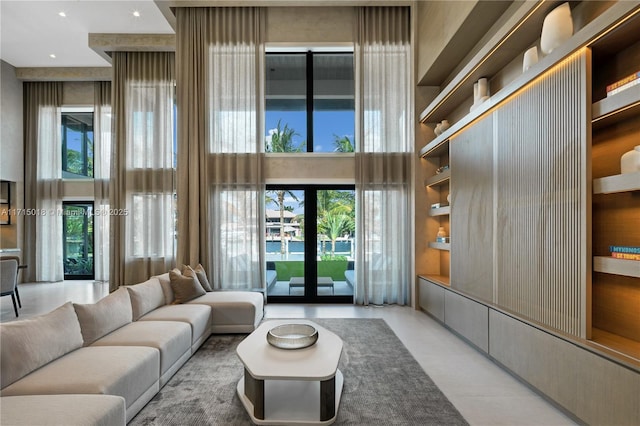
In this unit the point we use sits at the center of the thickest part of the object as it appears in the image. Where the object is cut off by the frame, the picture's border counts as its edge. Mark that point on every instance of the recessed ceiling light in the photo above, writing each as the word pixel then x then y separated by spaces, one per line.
pixel 52 56
pixel 136 13
pixel 64 15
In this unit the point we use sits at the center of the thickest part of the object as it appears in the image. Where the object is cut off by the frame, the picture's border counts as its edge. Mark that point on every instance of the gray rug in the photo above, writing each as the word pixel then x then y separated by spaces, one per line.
pixel 383 383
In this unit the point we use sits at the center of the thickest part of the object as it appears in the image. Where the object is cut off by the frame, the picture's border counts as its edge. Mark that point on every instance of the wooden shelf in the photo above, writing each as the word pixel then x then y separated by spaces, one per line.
pixel 437 147
pixel 617 343
pixel 617 183
pixel 616 108
pixel 438 279
pixel 611 265
pixel 439 179
pixel 440 211
pixel 440 246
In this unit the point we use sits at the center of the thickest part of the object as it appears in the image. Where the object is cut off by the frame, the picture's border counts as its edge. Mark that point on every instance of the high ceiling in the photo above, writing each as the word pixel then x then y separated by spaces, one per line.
pixel 31 31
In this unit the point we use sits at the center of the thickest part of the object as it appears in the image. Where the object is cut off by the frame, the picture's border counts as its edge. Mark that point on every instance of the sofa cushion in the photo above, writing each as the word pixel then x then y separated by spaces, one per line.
pixel 124 371
pixel 233 311
pixel 106 315
pixel 197 316
pixel 68 410
pixel 29 344
pixel 165 282
pixel 145 297
pixel 171 338
pixel 185 286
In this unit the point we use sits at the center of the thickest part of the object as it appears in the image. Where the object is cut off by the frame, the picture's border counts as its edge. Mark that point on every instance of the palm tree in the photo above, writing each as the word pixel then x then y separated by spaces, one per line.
pixel 342 144
pixel 336 214
pixel 334 225
pixel 281 140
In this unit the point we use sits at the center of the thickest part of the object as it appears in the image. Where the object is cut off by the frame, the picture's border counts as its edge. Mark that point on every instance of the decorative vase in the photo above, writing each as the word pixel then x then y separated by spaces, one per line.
pixel 530 58
pixel 483 88
pixel 441 232
pixel 438 129
pixel 630 161
pixel 449 198
pixel 444 125
pixel 556 28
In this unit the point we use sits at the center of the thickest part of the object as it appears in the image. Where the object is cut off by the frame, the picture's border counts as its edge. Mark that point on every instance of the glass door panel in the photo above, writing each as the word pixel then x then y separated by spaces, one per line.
pixel 335 241
pixel 77 225
pixel 285 243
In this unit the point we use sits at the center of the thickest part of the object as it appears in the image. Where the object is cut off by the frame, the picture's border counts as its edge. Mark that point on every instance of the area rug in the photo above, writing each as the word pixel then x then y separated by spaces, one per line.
pixel 383 383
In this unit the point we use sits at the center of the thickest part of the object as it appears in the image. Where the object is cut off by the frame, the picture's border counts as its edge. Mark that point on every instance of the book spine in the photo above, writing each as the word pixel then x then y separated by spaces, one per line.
pixel 622 82
pixel 626 256
pixel 623 87
pixel 624 249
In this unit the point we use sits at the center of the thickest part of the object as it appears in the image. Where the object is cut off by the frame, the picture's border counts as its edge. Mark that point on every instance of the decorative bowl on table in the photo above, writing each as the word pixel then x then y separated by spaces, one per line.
pixel 292 336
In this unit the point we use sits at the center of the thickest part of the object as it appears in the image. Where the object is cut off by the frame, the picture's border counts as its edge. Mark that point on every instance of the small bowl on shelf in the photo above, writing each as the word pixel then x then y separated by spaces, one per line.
pixel 292 336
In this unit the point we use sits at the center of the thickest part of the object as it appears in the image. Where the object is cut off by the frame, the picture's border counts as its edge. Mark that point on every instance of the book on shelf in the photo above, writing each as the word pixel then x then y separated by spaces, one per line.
pixel 623 82
pixel 624 249
pixel 625 256
pixel 623 87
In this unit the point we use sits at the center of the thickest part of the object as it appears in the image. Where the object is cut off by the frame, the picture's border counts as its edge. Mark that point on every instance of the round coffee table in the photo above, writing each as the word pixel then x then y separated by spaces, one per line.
pixel 290 386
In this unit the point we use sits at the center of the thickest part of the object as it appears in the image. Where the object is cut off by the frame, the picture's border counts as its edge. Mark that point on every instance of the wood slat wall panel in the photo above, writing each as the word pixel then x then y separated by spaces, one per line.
pixel 472 209
pixel 541 192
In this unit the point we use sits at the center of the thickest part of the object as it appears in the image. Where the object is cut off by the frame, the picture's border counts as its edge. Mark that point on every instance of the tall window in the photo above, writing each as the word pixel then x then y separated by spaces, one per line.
pixel 310 104
pixel 77 144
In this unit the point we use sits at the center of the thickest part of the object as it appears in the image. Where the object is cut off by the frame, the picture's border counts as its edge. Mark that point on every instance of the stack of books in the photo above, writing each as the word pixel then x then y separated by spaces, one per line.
pixel 625 252
pixel 623 84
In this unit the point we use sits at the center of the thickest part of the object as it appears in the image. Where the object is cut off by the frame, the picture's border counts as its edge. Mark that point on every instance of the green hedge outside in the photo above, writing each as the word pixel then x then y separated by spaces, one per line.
pixel 285 269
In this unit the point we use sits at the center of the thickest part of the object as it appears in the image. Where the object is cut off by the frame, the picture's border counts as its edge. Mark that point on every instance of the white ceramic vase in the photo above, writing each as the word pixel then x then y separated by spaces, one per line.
pixel 630 161
pixel 556 28
pixel 438 129
pixel 444 125
pixel 530 58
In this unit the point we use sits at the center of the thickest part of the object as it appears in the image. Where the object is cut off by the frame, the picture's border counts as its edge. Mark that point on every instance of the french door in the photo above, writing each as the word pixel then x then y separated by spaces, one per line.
pixel 310 243
pixel 77 226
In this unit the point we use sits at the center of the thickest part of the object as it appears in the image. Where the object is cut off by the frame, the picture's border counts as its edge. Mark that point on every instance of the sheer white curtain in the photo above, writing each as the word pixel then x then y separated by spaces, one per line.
pixel 101 174
pixel 383 160
pixel 142 182
pixel 222 161
pixel 43 172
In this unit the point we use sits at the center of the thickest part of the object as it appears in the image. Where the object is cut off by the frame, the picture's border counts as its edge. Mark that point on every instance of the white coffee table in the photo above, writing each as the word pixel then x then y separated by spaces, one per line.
pixel 283 386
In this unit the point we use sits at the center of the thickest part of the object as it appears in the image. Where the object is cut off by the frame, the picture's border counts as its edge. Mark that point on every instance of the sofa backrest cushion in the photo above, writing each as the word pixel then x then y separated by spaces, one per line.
pixel 29 344
pixel 145 297
pixel 106 315
pixel 185 286
pixel 165 282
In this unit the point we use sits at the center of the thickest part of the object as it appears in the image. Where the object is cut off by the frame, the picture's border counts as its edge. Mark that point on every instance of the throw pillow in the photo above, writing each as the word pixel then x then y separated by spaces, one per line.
pixel 202 276
pixel 106 315
pixel 185 286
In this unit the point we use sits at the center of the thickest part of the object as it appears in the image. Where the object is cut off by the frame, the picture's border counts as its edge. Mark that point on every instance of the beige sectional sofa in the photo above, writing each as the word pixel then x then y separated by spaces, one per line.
pixel 101 363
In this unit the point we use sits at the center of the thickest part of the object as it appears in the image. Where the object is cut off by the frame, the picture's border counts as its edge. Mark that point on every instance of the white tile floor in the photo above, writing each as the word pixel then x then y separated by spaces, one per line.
pixel 484 393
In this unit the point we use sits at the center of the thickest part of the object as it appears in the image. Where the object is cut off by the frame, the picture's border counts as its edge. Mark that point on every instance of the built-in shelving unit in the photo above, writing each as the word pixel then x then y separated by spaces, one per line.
pixel 616 197
pixel 601 300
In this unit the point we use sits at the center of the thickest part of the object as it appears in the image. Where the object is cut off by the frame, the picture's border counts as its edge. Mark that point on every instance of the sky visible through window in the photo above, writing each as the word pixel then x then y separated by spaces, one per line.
pixel 327 124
